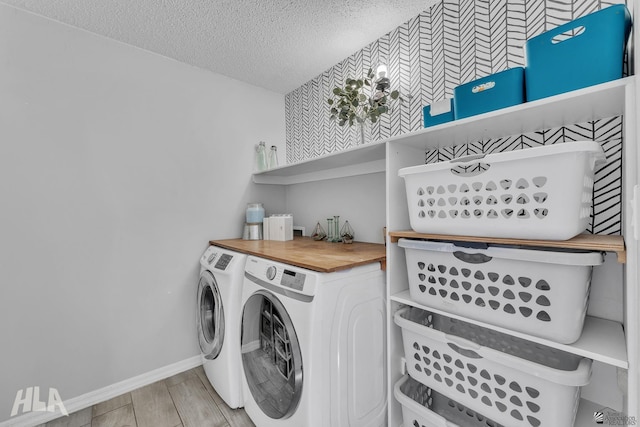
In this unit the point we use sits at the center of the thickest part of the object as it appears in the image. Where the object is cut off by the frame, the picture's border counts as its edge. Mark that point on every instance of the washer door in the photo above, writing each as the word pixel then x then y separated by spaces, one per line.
pixel 271 355
pixel 210 316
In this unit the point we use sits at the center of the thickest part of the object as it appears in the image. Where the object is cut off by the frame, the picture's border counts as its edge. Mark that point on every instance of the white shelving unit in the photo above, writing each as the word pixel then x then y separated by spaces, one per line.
pixel 605 341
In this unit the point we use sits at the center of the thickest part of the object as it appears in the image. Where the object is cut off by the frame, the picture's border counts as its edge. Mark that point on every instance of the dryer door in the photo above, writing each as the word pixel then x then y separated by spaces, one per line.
pixel 271 355
pixel 210 316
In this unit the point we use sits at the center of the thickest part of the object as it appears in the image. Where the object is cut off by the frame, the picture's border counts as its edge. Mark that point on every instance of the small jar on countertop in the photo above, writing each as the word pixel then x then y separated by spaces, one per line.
pixel 255 213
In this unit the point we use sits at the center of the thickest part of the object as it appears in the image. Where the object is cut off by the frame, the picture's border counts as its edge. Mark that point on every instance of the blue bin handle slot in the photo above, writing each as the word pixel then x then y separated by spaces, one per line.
pixel 483 87
pixel 568 34
pixel 591 22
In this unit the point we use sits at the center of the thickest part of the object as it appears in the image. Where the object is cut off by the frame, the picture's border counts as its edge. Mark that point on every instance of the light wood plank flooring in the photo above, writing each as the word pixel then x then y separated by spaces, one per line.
pixel 184 400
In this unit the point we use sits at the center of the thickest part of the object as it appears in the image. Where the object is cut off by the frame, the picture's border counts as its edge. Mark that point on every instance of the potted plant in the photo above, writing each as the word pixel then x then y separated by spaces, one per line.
pixel 351 105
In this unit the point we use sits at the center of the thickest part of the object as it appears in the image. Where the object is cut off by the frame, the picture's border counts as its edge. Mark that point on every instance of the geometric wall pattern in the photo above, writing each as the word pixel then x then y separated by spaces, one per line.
pixel 451 43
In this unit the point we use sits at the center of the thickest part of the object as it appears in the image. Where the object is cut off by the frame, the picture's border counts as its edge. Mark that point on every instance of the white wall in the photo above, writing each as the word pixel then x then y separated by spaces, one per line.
pixel 116 168
pixel 359 200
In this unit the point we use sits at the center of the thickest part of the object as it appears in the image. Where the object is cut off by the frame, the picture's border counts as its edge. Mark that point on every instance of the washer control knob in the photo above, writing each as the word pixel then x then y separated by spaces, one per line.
pixel 271 272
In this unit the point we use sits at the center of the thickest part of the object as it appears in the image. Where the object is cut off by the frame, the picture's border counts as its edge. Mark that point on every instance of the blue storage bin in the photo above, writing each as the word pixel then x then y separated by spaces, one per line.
pixel 493 92
pixel 583 52
pixel 440 116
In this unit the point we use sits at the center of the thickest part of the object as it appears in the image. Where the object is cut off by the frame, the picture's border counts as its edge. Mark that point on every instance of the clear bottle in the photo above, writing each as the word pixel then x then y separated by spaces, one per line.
pixel 261 157
pixel 273 157
pixel 336 230
pixel 330 229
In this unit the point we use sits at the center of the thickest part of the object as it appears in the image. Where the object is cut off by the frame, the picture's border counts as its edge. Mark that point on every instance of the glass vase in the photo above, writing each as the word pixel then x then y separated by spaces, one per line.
pixel 318 232
pixel 346 233
pixel 261 157
pixel 336 229
pixel 364 133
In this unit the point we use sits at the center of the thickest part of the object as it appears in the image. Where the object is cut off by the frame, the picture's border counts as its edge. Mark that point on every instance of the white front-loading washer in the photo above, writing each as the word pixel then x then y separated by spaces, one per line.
pixel 313 346
pixel 218 320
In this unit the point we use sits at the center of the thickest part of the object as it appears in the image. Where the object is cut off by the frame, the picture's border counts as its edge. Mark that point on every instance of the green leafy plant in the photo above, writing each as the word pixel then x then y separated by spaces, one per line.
pixel 351 104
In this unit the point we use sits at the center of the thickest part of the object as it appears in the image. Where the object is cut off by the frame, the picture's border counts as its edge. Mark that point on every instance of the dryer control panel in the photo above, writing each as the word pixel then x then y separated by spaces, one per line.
pixel 216 258
pixel 282 275
pixel 293 279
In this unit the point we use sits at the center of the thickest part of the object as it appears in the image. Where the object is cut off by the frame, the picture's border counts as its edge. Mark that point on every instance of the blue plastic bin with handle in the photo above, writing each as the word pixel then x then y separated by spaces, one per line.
pixel 584 52
pixel 496 91
pixel 437 113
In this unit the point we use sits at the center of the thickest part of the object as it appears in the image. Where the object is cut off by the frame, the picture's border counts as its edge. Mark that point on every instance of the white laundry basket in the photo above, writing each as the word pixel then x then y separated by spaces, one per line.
pixel 535 193
pixel 428 408
pixel 539 292
pixel 507 379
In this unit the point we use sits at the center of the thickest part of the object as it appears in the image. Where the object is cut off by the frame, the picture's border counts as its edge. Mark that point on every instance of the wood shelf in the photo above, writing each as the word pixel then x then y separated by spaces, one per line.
pixel 591 242
pixel 601 340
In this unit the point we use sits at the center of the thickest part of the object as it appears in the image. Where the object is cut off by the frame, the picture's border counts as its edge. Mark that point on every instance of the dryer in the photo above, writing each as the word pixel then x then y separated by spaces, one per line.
pixel 313 346
pixel 218 321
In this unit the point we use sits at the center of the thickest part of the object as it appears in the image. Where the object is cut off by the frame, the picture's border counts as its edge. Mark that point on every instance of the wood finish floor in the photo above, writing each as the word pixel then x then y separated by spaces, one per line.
pixel 184 400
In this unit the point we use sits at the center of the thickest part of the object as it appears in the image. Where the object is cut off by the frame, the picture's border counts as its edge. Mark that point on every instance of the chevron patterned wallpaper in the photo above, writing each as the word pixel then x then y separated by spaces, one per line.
pixel 453 42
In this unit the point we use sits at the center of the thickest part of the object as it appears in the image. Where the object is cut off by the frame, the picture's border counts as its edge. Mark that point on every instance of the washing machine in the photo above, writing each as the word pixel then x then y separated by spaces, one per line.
pixel 313 346
pixel 218 320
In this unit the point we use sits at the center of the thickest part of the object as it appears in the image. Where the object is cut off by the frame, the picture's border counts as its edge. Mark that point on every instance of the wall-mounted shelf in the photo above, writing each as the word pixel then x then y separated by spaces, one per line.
pixel 361 160
pixel 590 242
pixel 573 107
pixel 591 103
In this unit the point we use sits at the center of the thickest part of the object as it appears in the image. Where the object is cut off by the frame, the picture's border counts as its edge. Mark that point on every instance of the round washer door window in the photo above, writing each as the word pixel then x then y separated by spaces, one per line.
pixel 271 355
pixel 210 316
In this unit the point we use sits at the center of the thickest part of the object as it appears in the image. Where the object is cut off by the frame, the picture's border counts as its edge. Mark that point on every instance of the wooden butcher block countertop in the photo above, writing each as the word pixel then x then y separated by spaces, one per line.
pixel 307 253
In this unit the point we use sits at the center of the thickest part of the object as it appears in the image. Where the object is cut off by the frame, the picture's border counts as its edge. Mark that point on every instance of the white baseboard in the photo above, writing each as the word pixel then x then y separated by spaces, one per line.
pixel 75 404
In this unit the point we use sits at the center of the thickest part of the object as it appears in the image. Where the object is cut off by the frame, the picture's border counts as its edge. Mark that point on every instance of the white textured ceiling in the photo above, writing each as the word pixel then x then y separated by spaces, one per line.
pixel 275 44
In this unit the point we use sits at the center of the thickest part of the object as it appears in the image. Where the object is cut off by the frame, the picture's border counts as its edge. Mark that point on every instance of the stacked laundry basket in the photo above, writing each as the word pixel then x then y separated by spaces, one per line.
pixel 464 374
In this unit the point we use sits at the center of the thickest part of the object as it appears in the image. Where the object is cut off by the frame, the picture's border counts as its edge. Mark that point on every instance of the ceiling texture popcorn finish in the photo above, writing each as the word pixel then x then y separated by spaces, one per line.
pixel 275 44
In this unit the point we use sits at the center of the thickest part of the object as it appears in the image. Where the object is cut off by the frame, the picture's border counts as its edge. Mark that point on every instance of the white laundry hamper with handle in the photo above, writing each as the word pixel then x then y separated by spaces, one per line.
pixel 535 193
pixel 510 380
pixel 424 407
pixel 540 292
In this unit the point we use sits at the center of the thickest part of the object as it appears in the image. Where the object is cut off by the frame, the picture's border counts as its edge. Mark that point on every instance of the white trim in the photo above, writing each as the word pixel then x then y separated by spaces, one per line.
pixel 101 395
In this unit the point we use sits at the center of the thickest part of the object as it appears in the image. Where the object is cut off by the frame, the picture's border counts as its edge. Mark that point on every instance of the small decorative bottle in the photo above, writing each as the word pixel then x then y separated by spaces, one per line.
pixel 318 232
pixel 347 233
pixel 273 157
pixel 336 229
pixel 330 229
pixel 261 157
